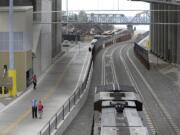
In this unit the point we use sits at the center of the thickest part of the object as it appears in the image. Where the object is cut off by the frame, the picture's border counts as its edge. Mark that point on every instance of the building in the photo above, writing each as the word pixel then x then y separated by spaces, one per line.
pixel 22 42
pixel 165 29
pixel 45 38
pixel 165 37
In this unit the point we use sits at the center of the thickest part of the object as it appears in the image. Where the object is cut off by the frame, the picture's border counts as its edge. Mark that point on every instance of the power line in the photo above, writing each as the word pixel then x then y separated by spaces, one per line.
pixel 60 22
pixel 59 11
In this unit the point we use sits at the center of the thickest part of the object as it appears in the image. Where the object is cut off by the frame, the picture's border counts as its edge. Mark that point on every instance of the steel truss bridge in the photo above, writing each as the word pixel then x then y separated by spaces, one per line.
pixel 97 17
pixel 142 18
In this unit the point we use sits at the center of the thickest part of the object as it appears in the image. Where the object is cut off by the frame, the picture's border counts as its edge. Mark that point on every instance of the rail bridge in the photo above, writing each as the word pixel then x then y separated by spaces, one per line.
pixel 142 18
pixel 99 17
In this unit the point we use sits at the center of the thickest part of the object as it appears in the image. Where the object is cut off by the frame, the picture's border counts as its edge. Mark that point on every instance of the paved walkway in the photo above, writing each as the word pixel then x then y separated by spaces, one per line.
pixel 53 90
pixel 169 70
pixel 82 123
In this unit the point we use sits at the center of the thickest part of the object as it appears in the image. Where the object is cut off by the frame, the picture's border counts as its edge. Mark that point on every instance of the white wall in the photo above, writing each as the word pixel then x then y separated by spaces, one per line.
pixel 22 26
pixel 22 20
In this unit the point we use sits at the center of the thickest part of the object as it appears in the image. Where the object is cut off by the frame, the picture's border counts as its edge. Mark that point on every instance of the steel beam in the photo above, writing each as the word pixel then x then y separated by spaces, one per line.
pixel 159 2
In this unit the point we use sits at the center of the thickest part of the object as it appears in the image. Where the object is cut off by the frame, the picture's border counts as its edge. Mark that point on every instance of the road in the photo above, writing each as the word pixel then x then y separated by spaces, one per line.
pixel 117 64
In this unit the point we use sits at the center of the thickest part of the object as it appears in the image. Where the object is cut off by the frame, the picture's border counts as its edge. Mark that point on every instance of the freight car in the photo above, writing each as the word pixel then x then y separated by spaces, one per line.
pixel 116 111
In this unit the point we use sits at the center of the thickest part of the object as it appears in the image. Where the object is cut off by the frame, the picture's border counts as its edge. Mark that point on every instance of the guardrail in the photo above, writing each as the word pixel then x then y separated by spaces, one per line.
pixel 142 54
pixel 60 115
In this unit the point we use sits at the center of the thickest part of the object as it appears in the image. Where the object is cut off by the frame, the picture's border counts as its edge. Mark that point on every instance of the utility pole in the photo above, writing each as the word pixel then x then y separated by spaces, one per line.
pixel 11 35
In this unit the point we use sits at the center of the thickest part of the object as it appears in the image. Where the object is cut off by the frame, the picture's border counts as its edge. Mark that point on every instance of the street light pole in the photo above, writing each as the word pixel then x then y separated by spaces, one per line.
pixel 11 35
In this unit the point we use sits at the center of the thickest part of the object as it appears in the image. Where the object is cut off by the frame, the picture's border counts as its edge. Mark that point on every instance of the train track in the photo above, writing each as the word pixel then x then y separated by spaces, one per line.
pixel 171 128
pixel 107 61
pixel 151 125
pixel 154 125
pixel 115 80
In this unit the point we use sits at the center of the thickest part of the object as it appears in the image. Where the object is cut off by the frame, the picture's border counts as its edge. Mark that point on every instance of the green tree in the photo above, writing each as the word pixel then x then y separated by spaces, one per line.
pixel 83 16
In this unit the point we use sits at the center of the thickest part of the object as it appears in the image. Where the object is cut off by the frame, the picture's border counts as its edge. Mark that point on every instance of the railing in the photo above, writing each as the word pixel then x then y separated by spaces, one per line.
pixel 60 115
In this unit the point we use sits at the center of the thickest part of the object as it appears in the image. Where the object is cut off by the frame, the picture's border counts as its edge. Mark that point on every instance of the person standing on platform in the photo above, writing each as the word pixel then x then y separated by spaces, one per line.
pixel 34 79
pixel 40 109
pixel 5 70
pixel 34 108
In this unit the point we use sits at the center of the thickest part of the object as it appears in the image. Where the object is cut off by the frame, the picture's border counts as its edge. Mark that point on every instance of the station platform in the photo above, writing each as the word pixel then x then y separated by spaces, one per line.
pixel 56 86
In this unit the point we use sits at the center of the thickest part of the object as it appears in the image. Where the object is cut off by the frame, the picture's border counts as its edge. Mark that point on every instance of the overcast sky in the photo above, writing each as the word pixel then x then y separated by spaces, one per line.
pixel 108 5
pixel 103 4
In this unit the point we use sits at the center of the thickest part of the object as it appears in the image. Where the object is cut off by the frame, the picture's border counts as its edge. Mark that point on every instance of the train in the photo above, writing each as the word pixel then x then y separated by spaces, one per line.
pixel 116 110
pixel 101 41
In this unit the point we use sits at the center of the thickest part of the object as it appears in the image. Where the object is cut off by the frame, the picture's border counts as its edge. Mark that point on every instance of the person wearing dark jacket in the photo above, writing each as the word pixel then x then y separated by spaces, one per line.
pixel 34 108
pixel 34 79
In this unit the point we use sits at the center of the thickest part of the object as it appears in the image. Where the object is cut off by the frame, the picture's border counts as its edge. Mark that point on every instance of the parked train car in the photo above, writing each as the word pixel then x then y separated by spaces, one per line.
pixel 116 111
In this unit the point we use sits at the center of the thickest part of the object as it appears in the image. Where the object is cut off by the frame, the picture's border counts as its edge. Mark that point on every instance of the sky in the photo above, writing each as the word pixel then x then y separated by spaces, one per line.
pixel 103 4
pixel 108 5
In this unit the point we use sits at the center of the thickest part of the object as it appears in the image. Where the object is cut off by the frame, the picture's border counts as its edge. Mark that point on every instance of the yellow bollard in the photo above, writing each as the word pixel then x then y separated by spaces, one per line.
pixel 13 91
pixel 148 44
pixel 3 91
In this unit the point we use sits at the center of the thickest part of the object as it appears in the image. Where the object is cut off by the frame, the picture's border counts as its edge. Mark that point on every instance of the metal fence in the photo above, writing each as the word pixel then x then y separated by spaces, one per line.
pixel 142 54
pixel 60 115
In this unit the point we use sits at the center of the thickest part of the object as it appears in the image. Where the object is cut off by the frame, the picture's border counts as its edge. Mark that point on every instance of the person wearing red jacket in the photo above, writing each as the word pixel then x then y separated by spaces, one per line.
pixel 40 109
